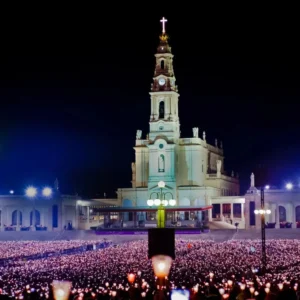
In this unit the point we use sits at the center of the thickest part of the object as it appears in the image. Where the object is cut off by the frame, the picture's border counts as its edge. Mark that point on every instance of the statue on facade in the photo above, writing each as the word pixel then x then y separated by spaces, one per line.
pixel 133 167
pixel 252 184
pixel 221 145
pixel 161 163
pixel 56 185
pixel 138 134
pixel 216 143
pixel 232 174
pixel 219 165
pixel 204 136
pixel 195 132
pixel 147 136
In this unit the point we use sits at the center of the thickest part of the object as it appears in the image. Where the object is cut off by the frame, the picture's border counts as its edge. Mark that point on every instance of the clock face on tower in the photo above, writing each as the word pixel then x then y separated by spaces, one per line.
pixel 161 81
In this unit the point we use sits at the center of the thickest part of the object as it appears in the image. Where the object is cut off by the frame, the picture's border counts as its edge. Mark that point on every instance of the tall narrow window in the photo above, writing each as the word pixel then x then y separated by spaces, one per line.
pixel 161 163
pixel 162 110
pixel 162 64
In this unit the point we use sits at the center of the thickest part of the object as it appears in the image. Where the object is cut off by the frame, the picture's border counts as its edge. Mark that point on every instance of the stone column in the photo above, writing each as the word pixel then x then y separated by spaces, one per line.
pixel 18 220
pixel 293 215
pixel 210 215
pixel 134 219
pixel 231 211
pixel 88 218
pixel 199 216
pixel 221 211
pixel 243 212
pixel 50 218
pixel 75 225
pixel 277 216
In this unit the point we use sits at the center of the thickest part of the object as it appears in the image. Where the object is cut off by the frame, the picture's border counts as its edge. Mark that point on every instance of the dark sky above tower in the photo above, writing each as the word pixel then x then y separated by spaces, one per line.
pixel 74 84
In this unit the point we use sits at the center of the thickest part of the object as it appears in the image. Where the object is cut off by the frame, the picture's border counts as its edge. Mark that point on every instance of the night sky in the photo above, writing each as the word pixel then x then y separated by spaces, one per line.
pixel 74 88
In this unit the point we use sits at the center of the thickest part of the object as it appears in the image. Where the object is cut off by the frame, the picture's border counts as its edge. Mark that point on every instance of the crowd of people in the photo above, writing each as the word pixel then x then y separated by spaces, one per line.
pixel 15 249
pixel 208 270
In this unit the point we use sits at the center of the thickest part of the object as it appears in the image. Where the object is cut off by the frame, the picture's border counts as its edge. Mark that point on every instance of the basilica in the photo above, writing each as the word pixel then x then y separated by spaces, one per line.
pixel 192 169
pixel 186 170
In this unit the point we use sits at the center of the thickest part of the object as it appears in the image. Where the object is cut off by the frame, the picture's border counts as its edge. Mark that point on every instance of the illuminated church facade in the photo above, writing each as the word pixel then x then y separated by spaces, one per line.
pixel 192 169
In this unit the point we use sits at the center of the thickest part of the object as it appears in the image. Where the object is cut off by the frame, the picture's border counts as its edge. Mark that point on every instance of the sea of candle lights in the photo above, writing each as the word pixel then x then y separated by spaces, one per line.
pixel 204 268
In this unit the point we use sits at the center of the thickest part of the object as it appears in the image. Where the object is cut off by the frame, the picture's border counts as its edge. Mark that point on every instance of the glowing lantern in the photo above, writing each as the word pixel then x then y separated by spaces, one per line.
pixel 61 289
pixel 131 278
pixel 161 265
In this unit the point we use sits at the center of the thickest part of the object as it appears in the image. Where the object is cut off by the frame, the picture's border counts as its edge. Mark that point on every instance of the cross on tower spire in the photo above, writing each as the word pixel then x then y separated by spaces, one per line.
pixel 163 21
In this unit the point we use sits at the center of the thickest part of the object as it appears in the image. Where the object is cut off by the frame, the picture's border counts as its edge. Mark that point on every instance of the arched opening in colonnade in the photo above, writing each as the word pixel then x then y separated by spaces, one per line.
pixel 15 217
pixel 37 220
pixel 282 214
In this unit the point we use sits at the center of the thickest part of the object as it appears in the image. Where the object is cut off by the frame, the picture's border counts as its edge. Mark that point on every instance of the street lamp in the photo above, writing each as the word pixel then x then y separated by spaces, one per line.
pixel 161 265
pixel 262 212
pixel 47 192
pixel 31 193
pixel 161 203
pixel 289 186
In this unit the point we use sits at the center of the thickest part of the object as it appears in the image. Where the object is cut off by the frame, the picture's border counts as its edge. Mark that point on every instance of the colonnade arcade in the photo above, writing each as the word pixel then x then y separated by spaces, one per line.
pixel 181 213
pixel 283 215
pixel 14 219
pixel 121 217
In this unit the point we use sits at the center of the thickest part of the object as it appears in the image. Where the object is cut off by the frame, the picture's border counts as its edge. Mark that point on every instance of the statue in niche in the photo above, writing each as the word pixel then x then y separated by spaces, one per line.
pixel 161 163
pixel 195 132
pixel 219 165
pixel 138 134
pixel 133 167
pixel 252 180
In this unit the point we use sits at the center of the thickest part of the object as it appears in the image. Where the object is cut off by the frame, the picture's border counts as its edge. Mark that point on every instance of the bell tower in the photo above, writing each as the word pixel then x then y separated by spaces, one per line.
pixel 164 119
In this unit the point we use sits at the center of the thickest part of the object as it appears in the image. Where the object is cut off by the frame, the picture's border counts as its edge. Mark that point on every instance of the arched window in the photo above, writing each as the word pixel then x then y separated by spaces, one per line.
pixel 14 218
pixel 37 220
pixel 162 64
pixel 161 163
pixel 161 110
pixel 282 214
